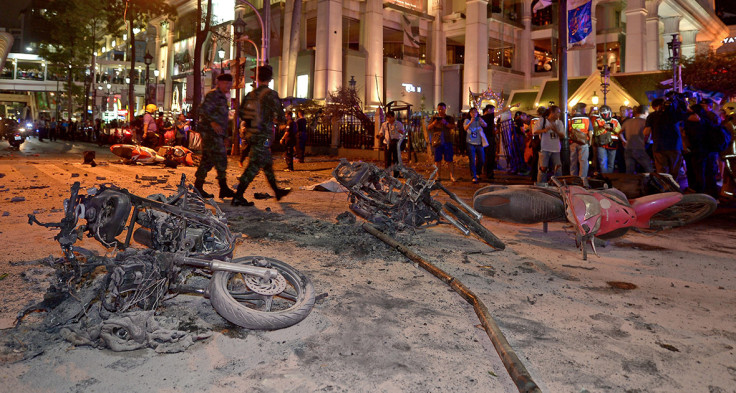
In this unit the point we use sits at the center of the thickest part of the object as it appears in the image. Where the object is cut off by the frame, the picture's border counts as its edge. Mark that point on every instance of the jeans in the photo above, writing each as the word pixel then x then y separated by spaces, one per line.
pixel 606 159
pixel 545 159
pixel 579 159
pixel 634 156
pixel 476 151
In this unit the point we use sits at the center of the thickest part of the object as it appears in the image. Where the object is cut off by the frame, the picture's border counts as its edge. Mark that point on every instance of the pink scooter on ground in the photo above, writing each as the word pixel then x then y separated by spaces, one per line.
pixel 607 213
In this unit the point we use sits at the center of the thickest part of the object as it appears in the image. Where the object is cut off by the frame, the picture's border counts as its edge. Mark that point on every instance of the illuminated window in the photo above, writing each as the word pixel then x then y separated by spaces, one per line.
pixel 302 86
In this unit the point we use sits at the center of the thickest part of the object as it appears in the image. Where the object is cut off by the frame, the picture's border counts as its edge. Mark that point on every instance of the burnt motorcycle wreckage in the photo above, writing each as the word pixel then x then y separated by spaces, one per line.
pixel 189 251
pixel 393 205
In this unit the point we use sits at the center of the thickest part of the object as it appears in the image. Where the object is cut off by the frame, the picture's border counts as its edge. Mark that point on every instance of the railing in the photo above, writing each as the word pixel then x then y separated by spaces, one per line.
pixel 354 136
pixel 320 133
pixel 413 127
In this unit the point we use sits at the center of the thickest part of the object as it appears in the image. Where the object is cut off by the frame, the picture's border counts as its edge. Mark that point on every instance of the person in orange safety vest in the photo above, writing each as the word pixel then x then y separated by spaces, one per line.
pixel 606 131
pixel 580 134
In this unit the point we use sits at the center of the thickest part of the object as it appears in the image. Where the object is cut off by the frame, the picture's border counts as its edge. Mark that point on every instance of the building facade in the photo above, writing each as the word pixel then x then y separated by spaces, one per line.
pixel 420 52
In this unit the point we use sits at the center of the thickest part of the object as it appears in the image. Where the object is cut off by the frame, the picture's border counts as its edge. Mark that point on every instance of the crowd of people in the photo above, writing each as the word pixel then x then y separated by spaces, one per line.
pixel 674 135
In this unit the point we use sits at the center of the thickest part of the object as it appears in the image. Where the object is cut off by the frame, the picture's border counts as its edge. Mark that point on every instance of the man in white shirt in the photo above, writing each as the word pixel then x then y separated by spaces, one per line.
pixel 392 132
pixel 551 130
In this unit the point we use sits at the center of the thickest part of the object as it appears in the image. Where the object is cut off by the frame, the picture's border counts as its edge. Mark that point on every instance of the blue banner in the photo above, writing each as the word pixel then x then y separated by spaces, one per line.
pixel 579 23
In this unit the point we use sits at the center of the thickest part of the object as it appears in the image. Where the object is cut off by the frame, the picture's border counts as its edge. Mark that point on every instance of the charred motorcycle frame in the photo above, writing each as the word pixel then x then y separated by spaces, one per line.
pixel 187 236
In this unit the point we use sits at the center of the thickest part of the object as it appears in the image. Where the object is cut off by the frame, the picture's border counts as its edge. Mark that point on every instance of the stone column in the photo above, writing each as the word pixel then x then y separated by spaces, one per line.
pixel 475 70
pixel 688 42
pixel 439 48
pixel 582 62
pixel 169 67
pixel 526 48
pixel 285 49
pixel 328 49
pixel 372 42
pixel 636 16
pixel 588 62
pixel 671 26
pixel 651 59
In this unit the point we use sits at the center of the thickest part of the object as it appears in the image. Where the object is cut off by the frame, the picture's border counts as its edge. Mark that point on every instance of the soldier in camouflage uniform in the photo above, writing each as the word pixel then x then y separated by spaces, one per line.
pixel 213 115
pixel 259 109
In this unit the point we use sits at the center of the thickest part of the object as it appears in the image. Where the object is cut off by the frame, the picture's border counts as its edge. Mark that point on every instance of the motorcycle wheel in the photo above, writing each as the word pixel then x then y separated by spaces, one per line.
pixel 491 188
pixel 692 208
pixel 235 301
pixel 475 227
pixel 523 205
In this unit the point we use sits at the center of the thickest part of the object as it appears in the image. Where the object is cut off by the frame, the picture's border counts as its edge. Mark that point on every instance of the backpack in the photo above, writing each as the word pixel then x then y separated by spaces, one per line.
pixel 251 112
pixel 717 139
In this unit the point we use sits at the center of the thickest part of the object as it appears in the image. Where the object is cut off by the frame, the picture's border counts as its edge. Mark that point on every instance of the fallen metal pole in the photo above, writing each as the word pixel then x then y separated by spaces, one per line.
pixel 513 364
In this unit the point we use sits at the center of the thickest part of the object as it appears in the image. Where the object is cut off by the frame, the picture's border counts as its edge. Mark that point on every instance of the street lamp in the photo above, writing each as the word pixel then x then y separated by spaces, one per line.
pixel 605 81
pixel 108 95
pixel 87 83
pixel 221 53
pixel 264 43
pixel 352 82
pixel 147 59
pixel 674 49
pixel 155 95
pixel 594 99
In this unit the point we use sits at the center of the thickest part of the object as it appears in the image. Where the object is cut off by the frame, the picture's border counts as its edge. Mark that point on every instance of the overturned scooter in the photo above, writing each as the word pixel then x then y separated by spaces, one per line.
pixel 608 214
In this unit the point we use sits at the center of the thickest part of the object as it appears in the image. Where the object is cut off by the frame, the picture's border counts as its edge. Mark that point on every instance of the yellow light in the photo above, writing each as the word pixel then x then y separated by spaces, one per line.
pixel 626 103
pixel 594 99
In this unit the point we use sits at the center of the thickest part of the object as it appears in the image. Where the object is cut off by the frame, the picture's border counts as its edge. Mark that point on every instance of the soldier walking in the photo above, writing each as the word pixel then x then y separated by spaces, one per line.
pixel 258 110
pixel 213 115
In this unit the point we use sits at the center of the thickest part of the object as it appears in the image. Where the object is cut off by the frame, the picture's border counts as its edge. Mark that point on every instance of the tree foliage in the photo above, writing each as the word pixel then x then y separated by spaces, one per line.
pixel 712 72
pixel 202 31
pixel 345 102
pixel 136 14
pixel 66 32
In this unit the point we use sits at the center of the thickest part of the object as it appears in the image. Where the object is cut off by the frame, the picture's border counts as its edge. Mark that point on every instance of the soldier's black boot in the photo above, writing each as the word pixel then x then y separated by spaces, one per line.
pixel 198 184
pixel 225 191
pixel 238 199
pixel 280 192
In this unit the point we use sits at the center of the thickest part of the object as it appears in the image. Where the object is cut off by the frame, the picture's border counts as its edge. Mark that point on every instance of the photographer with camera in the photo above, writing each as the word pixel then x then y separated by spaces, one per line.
pixel 662 125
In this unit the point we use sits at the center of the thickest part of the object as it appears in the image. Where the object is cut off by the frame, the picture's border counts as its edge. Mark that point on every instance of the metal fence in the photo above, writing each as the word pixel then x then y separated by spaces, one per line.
pixel 353 134
pixel 319 133
pixel 413 127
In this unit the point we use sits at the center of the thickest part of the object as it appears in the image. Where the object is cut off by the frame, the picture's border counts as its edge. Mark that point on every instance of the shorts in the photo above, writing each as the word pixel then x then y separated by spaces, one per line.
pixel 443 150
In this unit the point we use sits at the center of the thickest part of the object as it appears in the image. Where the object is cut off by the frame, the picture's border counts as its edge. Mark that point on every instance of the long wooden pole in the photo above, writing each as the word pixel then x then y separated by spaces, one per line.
pixel 511 361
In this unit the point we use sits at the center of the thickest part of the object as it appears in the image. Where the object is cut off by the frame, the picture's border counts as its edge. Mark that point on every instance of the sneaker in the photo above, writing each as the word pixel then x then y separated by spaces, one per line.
pixel 287 170
pixel 475 180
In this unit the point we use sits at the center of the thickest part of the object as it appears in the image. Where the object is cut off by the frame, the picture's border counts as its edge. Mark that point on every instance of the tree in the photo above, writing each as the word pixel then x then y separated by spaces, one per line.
pixel 345 101
pixel 135 14
pixel 66 34
pixel 711 72
pixel 204 25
